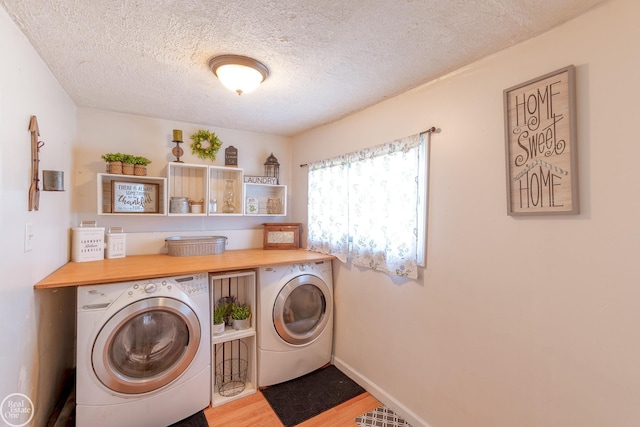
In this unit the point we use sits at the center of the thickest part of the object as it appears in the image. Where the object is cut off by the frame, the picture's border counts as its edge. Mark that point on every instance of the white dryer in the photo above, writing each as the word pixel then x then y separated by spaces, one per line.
pixel 143 352
pixel 295 320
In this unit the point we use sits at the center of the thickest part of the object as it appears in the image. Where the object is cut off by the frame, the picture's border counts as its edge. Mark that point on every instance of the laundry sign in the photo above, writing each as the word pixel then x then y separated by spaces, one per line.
pixel 541 146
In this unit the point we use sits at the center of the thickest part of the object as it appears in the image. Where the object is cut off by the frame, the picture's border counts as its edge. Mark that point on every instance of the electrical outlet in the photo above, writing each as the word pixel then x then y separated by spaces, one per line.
pixel 28 237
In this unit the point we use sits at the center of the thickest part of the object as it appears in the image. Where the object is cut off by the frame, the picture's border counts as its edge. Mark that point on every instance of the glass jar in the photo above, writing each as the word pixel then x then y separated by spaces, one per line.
pixel 229 205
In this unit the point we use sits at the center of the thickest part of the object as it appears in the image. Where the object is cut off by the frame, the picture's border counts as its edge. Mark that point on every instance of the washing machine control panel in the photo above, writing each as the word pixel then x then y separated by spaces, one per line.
pixel 99 297
pixel 150 288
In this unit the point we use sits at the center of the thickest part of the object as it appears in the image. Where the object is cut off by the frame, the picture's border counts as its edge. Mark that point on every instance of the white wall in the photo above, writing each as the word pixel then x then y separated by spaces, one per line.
pixel 101 132
pixel 36 327
pixel 528 321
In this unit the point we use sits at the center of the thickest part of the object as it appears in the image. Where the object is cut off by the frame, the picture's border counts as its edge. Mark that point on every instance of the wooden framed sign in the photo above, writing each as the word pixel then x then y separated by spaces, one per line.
pixel 134 197
pixel 540 141
pixel 282 235
pixel 231 156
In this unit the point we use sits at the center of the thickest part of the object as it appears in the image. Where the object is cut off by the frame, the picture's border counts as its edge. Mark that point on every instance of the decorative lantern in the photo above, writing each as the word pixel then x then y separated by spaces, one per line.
pixel 272 168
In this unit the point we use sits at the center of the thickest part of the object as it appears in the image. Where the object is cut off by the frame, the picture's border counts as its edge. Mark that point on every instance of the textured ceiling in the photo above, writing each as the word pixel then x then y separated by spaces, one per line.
pixel 327 59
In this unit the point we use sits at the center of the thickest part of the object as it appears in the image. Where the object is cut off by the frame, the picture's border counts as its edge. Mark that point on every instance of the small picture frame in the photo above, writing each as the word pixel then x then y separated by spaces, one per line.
pixel 134 197
pixel 282 235
pixel 231 156
pixel 541 147
pixel 252 206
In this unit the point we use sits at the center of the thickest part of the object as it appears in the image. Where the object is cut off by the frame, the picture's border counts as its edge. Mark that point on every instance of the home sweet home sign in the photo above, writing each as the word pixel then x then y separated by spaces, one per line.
pixel 541 146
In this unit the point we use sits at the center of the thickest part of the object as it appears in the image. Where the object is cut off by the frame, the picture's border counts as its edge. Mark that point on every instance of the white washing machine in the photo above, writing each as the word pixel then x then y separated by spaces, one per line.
pixel 143 352
pixel 295 320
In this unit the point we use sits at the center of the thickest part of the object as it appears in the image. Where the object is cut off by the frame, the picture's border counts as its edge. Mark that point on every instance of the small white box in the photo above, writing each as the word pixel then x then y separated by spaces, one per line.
pixel 115 243
pixel 87 243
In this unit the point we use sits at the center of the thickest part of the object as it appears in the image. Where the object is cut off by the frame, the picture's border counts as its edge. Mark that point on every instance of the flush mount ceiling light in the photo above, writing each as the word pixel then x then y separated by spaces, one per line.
pixel 240 74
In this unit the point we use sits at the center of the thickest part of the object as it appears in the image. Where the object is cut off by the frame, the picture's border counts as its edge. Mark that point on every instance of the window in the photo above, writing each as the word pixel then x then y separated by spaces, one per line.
pixel 370 206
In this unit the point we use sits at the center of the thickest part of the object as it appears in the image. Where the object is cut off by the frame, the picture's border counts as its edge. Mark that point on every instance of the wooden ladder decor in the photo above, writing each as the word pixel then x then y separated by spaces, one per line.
pixel 34 190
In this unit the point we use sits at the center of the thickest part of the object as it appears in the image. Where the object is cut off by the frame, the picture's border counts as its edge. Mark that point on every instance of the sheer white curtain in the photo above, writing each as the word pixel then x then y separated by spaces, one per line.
pixel 374 200
pixel 328 207
pixel 384 212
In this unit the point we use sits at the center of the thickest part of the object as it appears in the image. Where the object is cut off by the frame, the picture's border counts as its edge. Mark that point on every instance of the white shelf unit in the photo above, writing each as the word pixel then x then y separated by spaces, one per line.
pixel 219 176
pixel 234 343
pixel 204 183
pixel 191 181
pixel 104 193
pixel 265 199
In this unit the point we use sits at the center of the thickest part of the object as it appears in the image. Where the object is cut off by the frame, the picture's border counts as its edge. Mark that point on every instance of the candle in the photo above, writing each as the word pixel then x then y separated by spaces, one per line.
pixel 177 135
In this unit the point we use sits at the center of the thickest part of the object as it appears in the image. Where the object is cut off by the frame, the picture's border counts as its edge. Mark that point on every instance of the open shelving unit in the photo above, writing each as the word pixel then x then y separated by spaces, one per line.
pixel 105 193
pixel 234 344
pixel 199 183
pixel 219 178
pixel 190 181
pixel 265 199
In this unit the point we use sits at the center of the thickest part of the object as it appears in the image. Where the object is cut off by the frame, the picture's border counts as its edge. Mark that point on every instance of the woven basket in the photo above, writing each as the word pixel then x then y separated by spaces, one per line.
pixel 127 169
pixel 139 170
pixel 114 168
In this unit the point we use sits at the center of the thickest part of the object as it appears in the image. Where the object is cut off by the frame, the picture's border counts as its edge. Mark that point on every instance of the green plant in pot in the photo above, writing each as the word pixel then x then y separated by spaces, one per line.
pixel 241 316
pixel 219 314
pixel 140 165
pixel 114 162
pixel 128 164
pixel 227 304
pixel 141 160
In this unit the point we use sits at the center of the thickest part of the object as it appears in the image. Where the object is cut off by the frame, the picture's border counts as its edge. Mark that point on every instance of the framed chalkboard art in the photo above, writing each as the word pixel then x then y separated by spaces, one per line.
pixel 540 136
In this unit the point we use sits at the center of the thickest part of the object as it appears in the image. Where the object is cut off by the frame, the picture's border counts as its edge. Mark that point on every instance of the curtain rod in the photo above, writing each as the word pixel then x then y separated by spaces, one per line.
pixel 430 130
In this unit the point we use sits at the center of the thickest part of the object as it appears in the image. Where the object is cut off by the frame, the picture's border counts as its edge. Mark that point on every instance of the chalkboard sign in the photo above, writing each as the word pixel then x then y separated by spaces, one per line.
pixel 540 145
pixel 231 156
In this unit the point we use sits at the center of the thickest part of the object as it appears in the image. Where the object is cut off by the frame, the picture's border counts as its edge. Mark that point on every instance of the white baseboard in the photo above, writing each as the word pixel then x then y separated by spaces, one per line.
pixel 384 397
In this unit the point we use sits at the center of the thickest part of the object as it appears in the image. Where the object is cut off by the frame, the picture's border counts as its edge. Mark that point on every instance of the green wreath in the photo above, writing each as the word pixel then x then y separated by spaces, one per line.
pixel 200 139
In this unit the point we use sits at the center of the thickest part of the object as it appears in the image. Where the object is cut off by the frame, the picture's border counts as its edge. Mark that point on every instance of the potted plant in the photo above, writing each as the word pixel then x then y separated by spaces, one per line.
pixel 127 164
pixel 241 316
pixel 219 313
pixel 227 302
pixel 140 165
pixel 114 162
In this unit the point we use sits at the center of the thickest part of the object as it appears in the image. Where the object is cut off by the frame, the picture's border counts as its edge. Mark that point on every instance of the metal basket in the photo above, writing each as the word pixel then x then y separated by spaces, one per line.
pixel 195 245
pixel 231 376
pixel 231 368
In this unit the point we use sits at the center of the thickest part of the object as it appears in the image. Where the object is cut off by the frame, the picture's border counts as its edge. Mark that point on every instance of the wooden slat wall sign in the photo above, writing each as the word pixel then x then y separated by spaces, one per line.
pixel 540 141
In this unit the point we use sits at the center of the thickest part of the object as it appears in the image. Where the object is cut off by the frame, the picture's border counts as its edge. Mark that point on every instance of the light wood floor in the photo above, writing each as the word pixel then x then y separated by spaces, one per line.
pixel 254 411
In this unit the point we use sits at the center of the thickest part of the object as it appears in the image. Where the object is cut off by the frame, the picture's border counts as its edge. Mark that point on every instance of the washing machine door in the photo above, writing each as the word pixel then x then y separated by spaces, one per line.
pixel 302 309
pixel 146 345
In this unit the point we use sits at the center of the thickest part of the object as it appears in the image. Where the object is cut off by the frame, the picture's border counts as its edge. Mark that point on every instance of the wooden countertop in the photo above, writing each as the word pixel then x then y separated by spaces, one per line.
pixel 151 266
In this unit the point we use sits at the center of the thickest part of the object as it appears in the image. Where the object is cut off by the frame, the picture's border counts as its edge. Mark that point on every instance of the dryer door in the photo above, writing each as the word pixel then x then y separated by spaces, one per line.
pixel 302 309
pixel 146 345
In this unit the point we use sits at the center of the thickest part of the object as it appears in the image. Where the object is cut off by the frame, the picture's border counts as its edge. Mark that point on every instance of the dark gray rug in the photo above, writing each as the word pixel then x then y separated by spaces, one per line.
pixel 298 400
